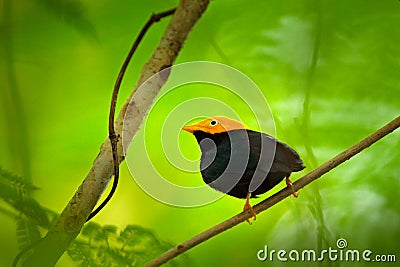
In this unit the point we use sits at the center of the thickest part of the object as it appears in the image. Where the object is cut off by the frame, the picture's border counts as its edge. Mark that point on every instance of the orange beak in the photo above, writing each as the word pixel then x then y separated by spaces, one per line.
pixel 187 129
pixel 190 128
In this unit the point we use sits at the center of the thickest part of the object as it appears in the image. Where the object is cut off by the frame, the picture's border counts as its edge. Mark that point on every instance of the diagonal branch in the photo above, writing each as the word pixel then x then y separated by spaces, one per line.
pixel 279 196
pixel 69 224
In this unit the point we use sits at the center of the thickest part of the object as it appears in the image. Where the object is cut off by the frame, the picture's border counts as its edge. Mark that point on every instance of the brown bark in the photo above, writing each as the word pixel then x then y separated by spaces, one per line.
pixel 281 195
pixel 69 224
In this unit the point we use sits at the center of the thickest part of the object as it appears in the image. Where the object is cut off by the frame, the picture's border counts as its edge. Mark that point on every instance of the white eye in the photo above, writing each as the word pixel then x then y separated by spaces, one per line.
pixel 213 122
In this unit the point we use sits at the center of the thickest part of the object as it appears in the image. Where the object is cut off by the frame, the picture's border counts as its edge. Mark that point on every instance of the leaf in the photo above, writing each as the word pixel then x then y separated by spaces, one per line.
pixel 81 252
pixel 134 235
pixel 109 246
pixel 91 229
pixel 72 12
pixel 27 232
pixel 14 190
pixel 18 183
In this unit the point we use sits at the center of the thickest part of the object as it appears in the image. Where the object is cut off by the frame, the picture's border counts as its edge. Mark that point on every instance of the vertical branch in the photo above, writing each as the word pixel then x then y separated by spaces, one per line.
pixel 111 129
pixel 74 215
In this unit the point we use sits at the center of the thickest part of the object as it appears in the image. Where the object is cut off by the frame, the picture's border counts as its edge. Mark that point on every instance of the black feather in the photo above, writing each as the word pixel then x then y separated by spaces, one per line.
pixel 240 161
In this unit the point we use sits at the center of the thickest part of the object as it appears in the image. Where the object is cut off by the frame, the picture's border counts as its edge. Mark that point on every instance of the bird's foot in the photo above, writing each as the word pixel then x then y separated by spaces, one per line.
pixel 290 185
pixel 248 207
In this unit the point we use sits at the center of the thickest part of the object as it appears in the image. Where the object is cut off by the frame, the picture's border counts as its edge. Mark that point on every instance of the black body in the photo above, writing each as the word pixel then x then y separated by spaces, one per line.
pixel 240 161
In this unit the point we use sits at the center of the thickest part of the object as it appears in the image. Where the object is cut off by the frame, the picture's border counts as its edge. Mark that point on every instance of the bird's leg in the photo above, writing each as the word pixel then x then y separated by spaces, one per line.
pixel 248 207
pixel 290 185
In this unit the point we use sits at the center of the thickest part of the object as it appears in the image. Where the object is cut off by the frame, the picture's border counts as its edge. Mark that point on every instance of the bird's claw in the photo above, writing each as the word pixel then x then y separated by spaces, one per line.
pixel 290 185
pixel 248 207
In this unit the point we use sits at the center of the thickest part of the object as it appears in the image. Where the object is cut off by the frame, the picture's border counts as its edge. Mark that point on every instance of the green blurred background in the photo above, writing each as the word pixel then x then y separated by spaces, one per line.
pixel 330 71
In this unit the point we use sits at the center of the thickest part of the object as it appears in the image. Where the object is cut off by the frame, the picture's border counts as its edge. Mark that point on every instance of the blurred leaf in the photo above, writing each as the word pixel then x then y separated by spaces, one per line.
pixel 8 179
pixel 73 12
pixel 132 246
pixel 91 229
pixel 14 189
pixel 27 233
pixel 65 84
pixel 81 252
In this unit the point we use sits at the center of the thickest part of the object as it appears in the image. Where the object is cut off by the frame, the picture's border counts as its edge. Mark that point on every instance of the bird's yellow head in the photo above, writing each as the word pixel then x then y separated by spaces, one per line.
pixel 215 125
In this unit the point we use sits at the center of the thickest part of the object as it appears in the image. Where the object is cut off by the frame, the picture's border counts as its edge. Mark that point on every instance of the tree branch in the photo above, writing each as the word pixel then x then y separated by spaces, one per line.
pixel 279 196
pixel 111 129
pixel 74 215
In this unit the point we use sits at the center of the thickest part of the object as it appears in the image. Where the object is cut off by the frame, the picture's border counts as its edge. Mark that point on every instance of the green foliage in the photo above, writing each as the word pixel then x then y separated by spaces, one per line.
pixel 109 246
pixel 20 185
pixel 96 246
pixel 72 12
pixel 16 191
pixel 323 101
pixel 27 233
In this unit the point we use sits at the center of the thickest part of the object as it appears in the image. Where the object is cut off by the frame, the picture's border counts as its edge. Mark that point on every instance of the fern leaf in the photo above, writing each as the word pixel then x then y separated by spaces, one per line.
pixel 14 190
pixel 27 233
pixel 14 181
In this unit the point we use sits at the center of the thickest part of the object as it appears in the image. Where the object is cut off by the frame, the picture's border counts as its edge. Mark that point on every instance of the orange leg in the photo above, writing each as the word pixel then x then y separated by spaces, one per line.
pixel 290 185
pixel 247 207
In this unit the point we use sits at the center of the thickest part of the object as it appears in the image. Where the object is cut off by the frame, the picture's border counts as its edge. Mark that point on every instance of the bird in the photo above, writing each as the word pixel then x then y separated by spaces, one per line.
pixel 241 162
